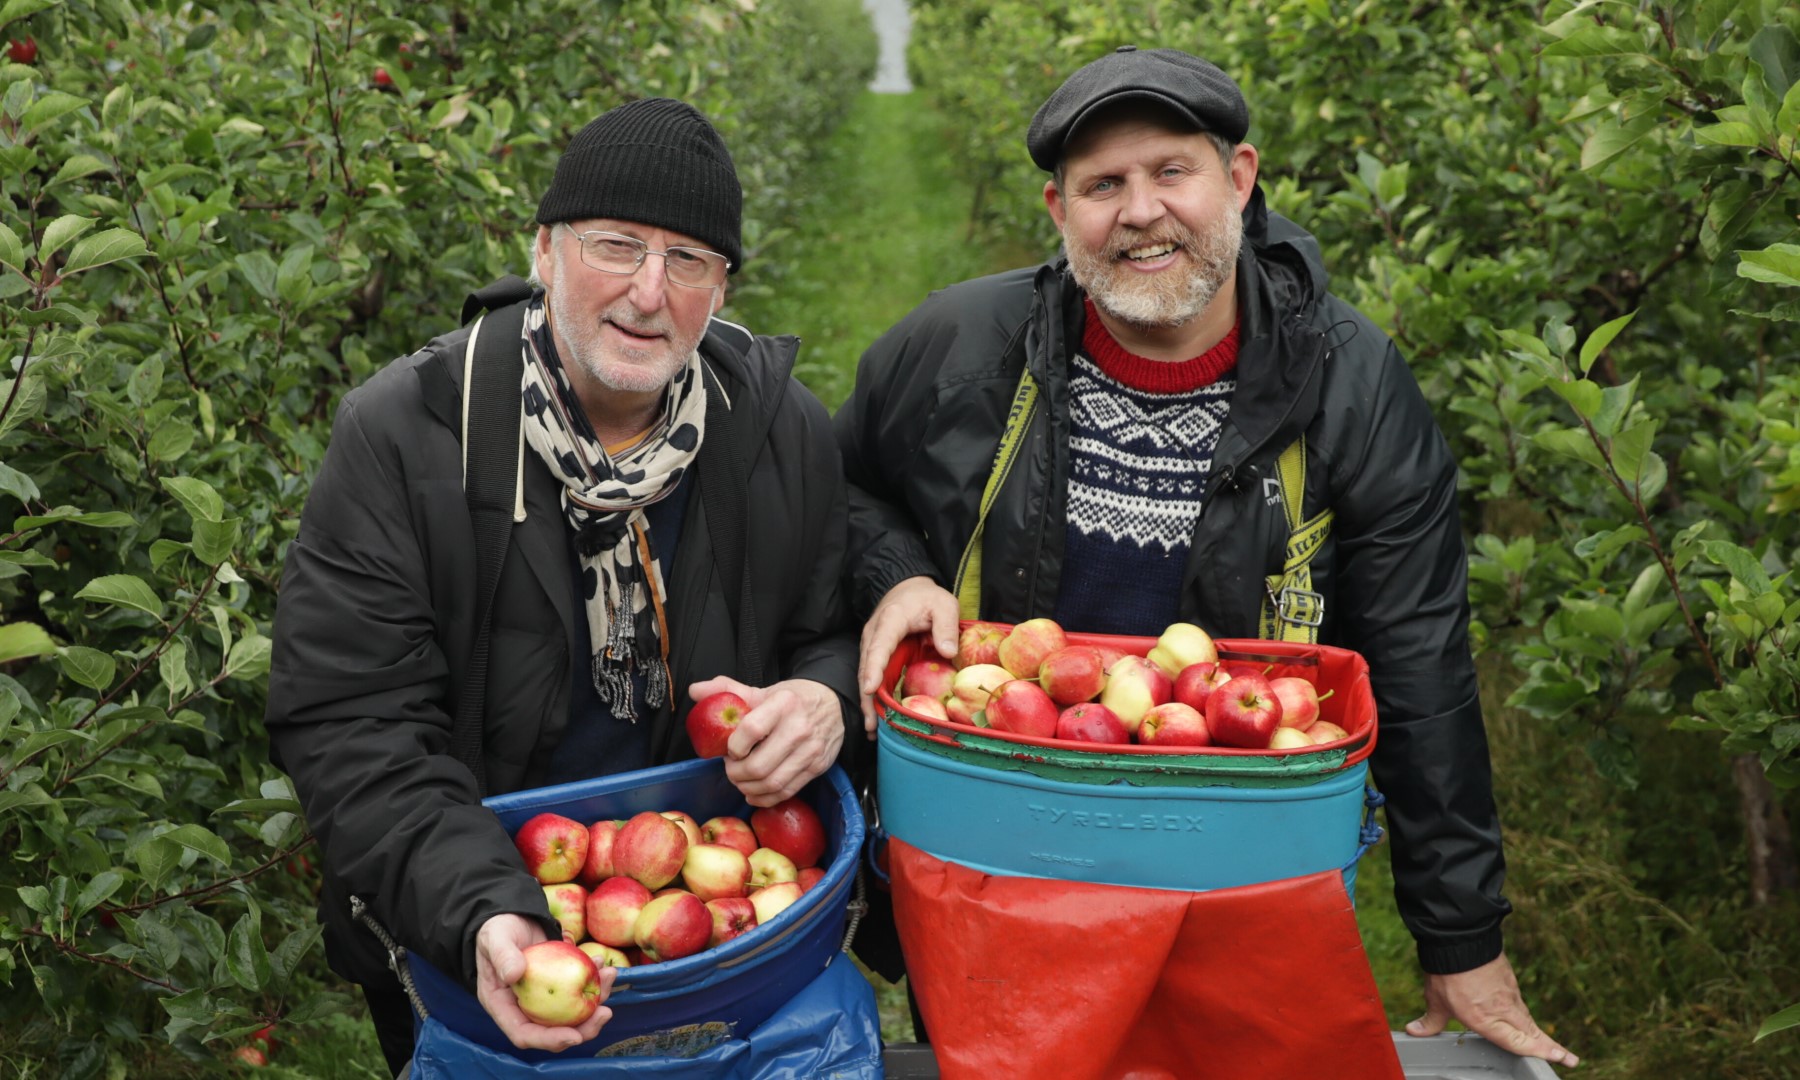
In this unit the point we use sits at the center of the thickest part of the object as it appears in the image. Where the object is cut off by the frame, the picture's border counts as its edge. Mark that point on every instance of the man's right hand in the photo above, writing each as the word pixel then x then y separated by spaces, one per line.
pixel 914 606
pixel 500 962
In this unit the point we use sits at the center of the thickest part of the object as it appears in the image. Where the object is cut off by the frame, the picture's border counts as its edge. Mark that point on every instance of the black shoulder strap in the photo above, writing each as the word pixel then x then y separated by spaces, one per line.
pixel 490 478
pixel 724 488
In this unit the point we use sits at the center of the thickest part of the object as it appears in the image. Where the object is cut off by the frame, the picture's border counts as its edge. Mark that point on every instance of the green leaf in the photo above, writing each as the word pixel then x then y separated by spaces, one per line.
pixel 156 859
pixel 12 252
pixel 1615 401
pixel 89 667
pixel 116 109
pixel 60 232
pixel 172 666
pixel 293 949
pixel 1612 138
pixel 77 167
pixel 19 9
pixel 214 540
pixel 1602 546
pixel 197 496
pixel 102 248
pixel 293 280
pixel 1777 52
pixel 1781 1021
pixel 1739 563
pixel 36 897
pixel 246 958
pixel 249 658
pixel 1583 396
pixel 97 891
pixel 1595 619
pixel 172 438
pixel 259 270
pixel 202 840
pixel 1571 443
pixel 49 107
pixel 1788 119
pixel 1601 338
pixel 122 590
pixel 255 806
pixel 1778 264
pixel 1629 448
pixel 19 641
pixel 17 484
pixel 105 519
pixel 145 382
pixel 1732 133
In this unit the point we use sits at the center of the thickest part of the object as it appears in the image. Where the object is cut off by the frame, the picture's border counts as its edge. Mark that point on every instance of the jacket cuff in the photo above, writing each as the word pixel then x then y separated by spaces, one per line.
pixel 880 573
pixel 1450 956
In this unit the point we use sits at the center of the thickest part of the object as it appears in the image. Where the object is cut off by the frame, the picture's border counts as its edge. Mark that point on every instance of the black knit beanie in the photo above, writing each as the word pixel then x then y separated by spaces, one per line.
pixel 656 162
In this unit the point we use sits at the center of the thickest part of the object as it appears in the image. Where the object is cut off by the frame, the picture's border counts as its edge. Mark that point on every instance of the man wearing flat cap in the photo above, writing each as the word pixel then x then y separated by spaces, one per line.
pixel 645 426
pixel 1176 421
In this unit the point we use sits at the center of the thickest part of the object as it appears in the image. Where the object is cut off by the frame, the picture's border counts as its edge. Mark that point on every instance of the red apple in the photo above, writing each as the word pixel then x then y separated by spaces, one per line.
pixel 561 985
pixel 979 643
pixel 1287 738
pixel 598 866
pixel 1134 686
pixel 604 956
pixel 1109 655
pixel 1197 682
pixel 553 847
pixel 1173 724
pixel 809 877
pixel 714 870
pixel 249 1055
pixel 1299 701
pixel 1072 675
pixel 1091 722
pixel 791 827
pixel 1023 651
pixel 1324 731
pixel 612 910
pixel 382 78
pixel 650 848
pixel 671 927
pixel 1243 713
pixel 1022 708
pixel 731 916
pixel 712 720
pixel 1181 645
pixel 928 677
pixel 25 52
pixel 689 827
pixel 774 899
pixel 768 866
pixel 731 831
pixel 970 689
pixel 568 906
pixel 921 705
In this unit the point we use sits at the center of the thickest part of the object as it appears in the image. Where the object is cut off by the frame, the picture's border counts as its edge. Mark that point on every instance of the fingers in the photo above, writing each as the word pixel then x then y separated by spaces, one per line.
pixel 1437 1015
pixel 782 744
pixel 722 684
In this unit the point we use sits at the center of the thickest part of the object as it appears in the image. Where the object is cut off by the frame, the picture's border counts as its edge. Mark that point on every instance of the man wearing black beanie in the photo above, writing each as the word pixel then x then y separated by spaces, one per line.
pixel 676 529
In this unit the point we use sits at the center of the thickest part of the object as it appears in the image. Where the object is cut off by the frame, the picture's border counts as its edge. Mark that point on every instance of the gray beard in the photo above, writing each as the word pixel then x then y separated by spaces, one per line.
pixel 1165 300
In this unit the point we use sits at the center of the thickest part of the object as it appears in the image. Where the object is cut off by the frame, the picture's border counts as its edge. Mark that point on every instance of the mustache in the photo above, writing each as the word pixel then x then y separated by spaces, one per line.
pixel 1124 238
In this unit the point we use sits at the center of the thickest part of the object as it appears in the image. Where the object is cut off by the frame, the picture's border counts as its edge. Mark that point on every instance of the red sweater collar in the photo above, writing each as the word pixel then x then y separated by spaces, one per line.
pixel 1156 376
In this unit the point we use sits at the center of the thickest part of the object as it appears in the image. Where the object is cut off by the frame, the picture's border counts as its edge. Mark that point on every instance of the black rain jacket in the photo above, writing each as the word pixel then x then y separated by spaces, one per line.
pixel 919 435
pixel 376 620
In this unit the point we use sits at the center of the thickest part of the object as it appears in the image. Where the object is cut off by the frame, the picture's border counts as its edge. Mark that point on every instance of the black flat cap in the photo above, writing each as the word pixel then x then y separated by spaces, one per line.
pixel 1193 88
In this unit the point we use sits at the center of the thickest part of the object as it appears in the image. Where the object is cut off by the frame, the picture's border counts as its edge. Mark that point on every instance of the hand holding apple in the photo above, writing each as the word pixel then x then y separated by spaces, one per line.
pixel 791 734
pixel 917 605
pixel 712 720
pixel 500 963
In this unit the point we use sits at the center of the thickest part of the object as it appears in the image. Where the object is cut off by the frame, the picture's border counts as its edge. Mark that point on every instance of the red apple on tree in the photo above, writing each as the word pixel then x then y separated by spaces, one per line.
pixel 1023 650
pixel 1173 724
pixel 1243 713
pixel 22 52
pixel 979 643
pixel 791 827
pixel 612 910
pixel 731 916
pixel 252 1056
pixel 383 79
pixel 671 927
pixel 650 848
pixel 928 677
pixel 712 720
pixel 1091 722
pixel 733 832
pixel 568 906
pixel 554 847
pixel 1072 674
pixel 1134 686
pixel 561 985
pixel 714 870
pixel 1022 708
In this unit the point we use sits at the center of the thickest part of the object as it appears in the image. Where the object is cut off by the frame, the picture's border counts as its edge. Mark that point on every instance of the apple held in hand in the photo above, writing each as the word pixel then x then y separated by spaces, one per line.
pixel 773 900
pixel 1299 701
pixel 770 867
pixel 554 847
pixel 1173 724
pixel 1243 713
pixel 612 910
pixel 712 720
pixel 1072 675
pixel 1091 722
pixel 650 849
pixel 920 705
pixel 730 831
pixel 598 865
pixel 930 678
pixel 731 916
pixel 568 906
pixel 1181 645
pixel 970 690
pixel 1197 682
pixel 673 926
pixel 1022 708
pixel 561 985
pixel 714 870
pixel 605 956
pixel 1134 686
pixel 791 827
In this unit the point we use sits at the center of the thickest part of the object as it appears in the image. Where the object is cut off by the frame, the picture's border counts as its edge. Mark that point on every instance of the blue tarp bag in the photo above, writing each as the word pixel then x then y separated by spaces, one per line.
pixel 830 1029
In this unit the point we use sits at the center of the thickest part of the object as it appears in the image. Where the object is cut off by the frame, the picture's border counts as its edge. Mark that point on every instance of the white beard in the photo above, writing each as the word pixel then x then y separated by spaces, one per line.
pixel 620 368
pixel 1158 301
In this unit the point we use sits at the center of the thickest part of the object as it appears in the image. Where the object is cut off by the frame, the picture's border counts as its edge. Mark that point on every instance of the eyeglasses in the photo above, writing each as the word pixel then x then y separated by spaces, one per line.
pixel 615 253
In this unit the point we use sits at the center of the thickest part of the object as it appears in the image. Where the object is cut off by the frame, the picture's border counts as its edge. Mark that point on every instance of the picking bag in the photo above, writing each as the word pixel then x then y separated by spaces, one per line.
pixel 1020 976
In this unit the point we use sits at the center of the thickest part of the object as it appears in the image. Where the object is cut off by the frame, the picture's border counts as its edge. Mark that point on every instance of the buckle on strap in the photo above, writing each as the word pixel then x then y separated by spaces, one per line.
pixel 1297 607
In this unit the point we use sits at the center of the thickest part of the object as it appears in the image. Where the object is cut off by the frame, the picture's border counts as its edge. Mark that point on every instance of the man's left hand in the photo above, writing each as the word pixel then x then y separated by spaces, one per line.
pixel 791 734
pixel 1486 1000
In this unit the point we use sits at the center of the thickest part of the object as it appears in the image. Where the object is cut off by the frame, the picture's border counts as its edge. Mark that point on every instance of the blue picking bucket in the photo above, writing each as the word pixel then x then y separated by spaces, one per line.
pixel 740 983
pixel 1192 819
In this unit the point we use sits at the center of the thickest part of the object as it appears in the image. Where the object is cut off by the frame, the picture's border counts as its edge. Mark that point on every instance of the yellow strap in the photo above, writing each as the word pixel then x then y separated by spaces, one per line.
pixel 1291 611
pixel 1012 439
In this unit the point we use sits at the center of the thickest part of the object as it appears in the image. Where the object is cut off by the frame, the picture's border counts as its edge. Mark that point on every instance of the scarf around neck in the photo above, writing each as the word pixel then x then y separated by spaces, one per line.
pixel 603 499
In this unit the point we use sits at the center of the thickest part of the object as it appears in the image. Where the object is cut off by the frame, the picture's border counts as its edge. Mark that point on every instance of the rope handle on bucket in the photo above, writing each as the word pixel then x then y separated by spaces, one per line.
pixel 1370 833
pixel 396 954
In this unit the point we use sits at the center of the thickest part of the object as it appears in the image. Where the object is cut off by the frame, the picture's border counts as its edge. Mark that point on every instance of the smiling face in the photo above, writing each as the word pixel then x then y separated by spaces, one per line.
pixel 626 333
pixel 1151 218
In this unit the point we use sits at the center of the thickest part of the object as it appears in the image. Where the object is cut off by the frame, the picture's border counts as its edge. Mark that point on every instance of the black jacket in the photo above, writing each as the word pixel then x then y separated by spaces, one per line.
pixel 376 620
pixel 919 435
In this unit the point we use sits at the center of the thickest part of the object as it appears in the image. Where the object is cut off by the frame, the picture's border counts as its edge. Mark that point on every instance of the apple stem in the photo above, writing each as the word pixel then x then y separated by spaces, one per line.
pixel 1327 693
